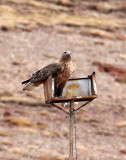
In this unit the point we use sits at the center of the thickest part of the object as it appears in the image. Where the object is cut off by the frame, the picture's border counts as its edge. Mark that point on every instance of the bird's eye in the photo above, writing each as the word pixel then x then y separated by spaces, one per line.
pixel 67 53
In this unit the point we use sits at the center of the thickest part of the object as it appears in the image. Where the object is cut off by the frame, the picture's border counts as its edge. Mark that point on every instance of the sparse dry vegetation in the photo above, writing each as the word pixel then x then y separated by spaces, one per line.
pixel 33 34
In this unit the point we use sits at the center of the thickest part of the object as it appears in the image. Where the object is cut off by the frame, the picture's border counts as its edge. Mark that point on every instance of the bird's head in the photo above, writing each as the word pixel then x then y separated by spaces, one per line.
pixel 67 53
pixel 66 56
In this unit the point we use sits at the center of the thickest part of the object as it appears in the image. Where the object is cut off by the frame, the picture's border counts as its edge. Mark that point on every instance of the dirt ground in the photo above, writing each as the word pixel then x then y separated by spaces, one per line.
pixel 25 121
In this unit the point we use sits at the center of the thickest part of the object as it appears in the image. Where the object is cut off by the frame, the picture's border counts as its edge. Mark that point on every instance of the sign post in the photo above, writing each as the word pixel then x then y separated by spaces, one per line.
pixel 76 89
pixel 72 152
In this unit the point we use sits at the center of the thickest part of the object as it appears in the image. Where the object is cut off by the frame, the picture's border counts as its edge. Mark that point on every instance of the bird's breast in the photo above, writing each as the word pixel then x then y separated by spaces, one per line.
pixel 65 74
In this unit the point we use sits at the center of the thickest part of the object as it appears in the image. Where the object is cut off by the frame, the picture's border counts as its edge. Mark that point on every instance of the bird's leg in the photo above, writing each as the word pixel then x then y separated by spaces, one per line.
pixel 55 92
pixel 55 89
pixel 58 92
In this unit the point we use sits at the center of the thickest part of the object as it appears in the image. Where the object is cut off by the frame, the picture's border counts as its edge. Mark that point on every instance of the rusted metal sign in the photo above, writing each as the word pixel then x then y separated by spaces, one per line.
pixel 77 89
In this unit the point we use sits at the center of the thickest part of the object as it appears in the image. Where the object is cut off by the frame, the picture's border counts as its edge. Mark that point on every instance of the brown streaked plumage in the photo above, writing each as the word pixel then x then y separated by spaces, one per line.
pixel 60 71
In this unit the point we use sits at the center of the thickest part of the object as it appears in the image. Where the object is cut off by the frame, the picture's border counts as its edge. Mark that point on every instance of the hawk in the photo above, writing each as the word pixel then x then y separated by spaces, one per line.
pixel 60 71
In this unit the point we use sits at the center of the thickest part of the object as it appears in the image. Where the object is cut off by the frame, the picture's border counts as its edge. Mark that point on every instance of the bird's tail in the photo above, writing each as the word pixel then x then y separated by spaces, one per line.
pixel 29 86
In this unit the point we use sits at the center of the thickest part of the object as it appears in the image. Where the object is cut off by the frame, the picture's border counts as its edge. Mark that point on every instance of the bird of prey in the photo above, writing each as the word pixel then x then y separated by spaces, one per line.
pixel 60 71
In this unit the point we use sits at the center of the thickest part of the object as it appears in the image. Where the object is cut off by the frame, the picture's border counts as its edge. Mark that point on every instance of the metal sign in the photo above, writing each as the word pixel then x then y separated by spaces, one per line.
pixel 77 89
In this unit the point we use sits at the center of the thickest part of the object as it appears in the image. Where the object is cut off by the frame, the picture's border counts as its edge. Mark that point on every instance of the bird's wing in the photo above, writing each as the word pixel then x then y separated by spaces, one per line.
pixel 50 70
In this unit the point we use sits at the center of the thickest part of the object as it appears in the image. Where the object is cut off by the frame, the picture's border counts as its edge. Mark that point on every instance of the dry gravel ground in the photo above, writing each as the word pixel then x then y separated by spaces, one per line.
pixel 101 125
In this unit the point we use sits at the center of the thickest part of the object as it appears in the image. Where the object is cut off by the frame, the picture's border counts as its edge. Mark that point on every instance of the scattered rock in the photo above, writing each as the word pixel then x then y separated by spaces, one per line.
pixel 92 120
pixel 81 148
pixel 59 118
pixel 16 150
pixel 18 63
pixel 53 158
pixel 6 93
pixel 123 151
pixel 60 158
pixel 27 130
pixel 121 79
pixel 41 125
pixel 50 56
pixel 2 104
pixel 99 43
pixel 55 134
pixel 19 121
pixel 34 96
pixel 32 147
pixel 7 143
pixel 66 134
pixel 121 124
pixel 7 113
pixel 104 132
pixel 66 30
pixel 44 158
pixel 103 7
pixel 4 28
pixel 16 98
pixel 113 70
pixel 6 133
pixel 64 3
pixel 122 56
pixel 123 135
pixel 43 112
pixel 121 36
pixel 97 33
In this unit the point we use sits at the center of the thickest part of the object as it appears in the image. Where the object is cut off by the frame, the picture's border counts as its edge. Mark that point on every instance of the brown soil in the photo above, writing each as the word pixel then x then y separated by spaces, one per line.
pixel 101 125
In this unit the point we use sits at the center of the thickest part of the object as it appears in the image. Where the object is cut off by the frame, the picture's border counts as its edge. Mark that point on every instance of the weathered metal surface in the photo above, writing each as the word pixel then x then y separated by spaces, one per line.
pixel 77 89
pixel 48 89
pixel 65 99
pixel 94 84
pixel 60 108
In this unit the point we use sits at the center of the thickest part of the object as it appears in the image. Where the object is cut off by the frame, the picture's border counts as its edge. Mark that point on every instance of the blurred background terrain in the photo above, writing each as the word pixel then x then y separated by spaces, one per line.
pixel 34 33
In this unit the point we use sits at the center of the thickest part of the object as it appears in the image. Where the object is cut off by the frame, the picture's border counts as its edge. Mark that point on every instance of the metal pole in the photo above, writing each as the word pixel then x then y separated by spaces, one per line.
pixel 73 151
